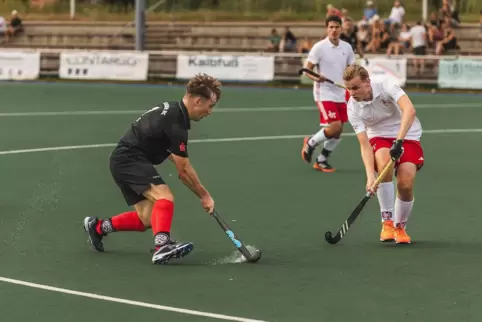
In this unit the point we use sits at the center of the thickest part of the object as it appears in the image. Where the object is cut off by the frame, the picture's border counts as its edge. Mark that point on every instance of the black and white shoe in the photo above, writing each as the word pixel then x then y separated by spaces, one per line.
pixel 94 238
pixel 172 249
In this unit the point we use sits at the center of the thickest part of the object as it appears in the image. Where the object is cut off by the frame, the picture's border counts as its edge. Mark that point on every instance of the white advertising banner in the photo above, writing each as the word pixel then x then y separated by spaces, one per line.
pixel 460 73
pixel 19 65
pixel 228 68
pixel 109 65
pixel 381 68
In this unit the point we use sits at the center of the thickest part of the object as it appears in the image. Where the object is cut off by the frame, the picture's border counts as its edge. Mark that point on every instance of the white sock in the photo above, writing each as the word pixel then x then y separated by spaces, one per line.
pixel 403 209
pixel 317 138
pixel 331 144
pixel 328 146
pixel 386 199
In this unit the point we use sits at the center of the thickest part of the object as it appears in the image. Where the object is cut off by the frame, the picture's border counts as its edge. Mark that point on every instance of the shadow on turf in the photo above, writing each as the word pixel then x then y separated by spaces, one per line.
pixel 341 170
pixel 207 260
pixel 433 245
pixel 443 244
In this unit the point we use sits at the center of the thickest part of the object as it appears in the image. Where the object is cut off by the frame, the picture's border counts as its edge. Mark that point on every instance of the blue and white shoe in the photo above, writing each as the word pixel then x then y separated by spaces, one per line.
pixel 172 249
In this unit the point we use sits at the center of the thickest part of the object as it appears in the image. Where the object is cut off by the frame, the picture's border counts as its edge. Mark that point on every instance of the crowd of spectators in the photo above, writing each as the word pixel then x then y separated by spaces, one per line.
pixel 391 35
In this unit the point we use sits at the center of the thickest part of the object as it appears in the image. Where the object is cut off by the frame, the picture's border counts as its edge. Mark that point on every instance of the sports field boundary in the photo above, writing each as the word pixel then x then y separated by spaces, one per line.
pixel 128 302
pixel 220 140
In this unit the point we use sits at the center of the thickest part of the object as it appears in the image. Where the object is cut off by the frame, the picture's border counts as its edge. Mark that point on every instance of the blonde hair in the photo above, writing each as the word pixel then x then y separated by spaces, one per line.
pixel 205 86
pixel 353 71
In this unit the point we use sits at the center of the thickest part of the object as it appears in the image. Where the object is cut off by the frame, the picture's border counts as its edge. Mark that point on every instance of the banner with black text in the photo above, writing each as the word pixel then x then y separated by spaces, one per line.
pixel 227 68
pixel 108 65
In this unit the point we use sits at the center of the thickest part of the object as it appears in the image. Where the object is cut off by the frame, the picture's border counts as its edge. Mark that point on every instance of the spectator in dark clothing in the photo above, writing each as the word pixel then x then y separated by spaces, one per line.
pixel 350 35
pixel 14 27
pixel 448 43
pixel 289 41
pixel 481 23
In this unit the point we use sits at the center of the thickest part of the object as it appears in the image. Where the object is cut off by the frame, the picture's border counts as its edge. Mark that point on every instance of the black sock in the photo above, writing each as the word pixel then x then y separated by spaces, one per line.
pixel 326 153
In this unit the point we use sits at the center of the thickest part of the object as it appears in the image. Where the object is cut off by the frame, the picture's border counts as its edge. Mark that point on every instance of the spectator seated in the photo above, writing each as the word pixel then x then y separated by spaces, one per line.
pixel 15 26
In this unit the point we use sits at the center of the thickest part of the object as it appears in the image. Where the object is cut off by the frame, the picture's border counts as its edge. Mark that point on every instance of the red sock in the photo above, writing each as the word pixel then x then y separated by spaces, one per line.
pixel 127 221
pixel 161 218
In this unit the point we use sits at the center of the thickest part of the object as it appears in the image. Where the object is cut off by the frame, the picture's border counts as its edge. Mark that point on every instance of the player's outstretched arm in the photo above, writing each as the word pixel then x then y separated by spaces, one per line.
pixel 368 158
pixel 408 115
pixel 366 149
pixel 397 94
pixel 189 177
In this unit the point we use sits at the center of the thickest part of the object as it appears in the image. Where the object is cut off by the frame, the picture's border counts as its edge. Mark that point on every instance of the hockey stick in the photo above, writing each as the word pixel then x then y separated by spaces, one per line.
pixel 252 258
pixel 312 73
pixel 344 228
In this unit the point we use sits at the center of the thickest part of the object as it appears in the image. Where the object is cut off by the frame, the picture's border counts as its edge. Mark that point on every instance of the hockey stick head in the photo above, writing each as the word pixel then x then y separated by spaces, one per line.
pixel 358 209
pixel 250 256
pixel 255 257
pixel 330 239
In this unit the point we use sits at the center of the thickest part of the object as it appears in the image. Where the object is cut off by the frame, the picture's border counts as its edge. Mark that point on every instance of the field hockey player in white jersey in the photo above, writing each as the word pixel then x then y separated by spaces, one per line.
pixel 330 56
pixel 385 122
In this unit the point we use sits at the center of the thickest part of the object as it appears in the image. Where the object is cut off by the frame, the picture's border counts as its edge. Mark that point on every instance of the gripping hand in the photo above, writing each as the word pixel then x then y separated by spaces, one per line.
pixel 396 150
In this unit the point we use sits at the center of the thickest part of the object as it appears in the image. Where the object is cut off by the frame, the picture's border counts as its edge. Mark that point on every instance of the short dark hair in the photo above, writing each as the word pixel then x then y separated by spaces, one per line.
pixel 205 86
pixel 333 18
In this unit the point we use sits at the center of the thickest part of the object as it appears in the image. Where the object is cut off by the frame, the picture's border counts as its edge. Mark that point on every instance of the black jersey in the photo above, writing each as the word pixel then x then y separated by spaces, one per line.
pixel 351 38
pixel 159 132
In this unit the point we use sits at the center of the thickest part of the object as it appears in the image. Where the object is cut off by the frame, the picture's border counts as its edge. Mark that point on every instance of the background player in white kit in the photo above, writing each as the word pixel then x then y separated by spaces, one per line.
pixel 384 119
pixel 330 56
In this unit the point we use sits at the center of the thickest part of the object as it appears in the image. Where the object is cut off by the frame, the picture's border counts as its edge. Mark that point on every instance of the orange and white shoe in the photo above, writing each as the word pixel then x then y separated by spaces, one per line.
pixel 388 231
pixel 323 166
pixel 401 236
pixel 307 150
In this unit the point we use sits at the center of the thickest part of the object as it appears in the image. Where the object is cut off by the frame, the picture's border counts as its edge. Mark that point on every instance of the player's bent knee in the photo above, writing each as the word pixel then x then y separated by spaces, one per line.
pixel 158 192
pixel 144 211
pixel 405 183
pixel 334 129
pixel 382 158
pixel 153 194
pixel 405 189
pixel 406 172
pixel 405 180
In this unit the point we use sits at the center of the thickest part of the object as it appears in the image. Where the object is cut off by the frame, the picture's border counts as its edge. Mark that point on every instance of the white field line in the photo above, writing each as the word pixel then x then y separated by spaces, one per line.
pixel 128 302
pixel 156 306
pixel 219 110
pixel 220 140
